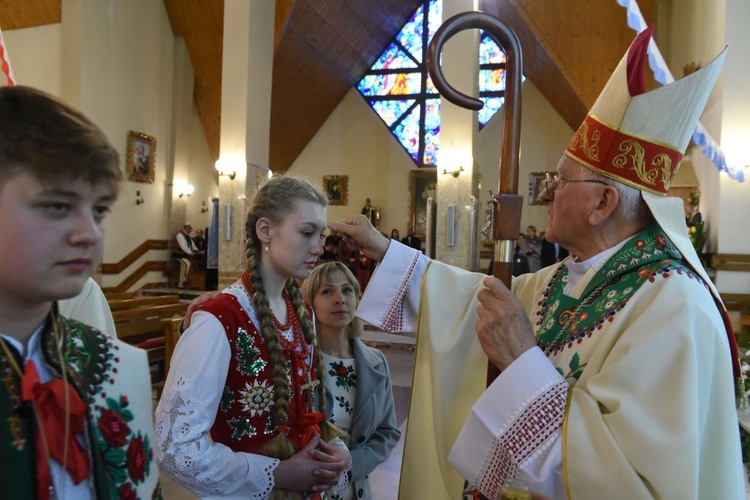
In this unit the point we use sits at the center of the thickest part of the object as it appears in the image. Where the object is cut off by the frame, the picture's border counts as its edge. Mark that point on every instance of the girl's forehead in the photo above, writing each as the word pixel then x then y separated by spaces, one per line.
pixel 307 212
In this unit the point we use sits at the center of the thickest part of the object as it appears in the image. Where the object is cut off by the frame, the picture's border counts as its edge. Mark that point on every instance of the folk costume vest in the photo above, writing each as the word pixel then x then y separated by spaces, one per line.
pixel 246 419
pixel 112 380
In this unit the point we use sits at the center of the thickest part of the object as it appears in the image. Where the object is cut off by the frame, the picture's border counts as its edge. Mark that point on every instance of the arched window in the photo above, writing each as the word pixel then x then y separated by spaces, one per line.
pixel 400 91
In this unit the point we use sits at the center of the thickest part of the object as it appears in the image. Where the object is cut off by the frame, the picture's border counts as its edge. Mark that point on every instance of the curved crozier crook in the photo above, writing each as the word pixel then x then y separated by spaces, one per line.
pixel 507 39
pixel 507 206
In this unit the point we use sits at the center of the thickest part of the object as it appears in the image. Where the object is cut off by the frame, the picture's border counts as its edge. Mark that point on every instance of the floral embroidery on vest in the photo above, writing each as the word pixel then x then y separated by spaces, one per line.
pixel 246 419
pixel 120 452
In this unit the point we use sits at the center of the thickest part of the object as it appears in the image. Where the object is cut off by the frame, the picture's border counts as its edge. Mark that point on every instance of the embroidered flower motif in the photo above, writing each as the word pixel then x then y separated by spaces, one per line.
pixel 344 405
pixel 113 428
pixel 126 492
pixel 611 293
pixel 661 241
pixel 345 376
pixel 640 244
pixel 136 458
pixel 257 399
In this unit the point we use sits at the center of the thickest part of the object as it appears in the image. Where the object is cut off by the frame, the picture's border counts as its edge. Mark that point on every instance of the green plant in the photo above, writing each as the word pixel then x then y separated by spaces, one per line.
pixel 698 236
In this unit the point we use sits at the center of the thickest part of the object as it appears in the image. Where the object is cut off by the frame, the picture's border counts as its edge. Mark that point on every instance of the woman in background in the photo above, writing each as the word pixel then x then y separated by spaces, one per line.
pixel 359 396
pixel 395 235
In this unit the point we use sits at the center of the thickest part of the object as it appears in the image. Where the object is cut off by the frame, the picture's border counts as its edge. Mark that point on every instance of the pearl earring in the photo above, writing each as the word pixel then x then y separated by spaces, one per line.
pixel 266 247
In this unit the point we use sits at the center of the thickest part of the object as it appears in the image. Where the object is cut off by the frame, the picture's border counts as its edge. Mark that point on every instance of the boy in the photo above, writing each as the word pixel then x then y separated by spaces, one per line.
pixel 75 405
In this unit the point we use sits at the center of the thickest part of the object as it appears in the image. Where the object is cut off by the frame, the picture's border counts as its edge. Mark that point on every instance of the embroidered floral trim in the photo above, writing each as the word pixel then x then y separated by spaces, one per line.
pixel 119 445
pixel 609 291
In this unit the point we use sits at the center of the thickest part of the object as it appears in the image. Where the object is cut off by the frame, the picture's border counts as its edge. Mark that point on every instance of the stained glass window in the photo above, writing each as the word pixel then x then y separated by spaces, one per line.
pixel 400 91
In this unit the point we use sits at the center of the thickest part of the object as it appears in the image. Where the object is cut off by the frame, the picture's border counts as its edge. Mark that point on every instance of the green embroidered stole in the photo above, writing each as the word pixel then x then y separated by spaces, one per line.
pixel 565 321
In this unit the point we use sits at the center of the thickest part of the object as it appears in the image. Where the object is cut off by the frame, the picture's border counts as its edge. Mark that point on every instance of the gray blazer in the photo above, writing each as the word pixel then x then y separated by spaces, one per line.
pixel 374 432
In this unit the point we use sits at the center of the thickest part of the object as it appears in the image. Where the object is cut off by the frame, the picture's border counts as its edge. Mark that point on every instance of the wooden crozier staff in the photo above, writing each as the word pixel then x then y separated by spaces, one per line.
pixel 507 203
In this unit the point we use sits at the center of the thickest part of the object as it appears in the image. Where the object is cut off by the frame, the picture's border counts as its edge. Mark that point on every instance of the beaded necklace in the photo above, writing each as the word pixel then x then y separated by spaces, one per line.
pixel 295 343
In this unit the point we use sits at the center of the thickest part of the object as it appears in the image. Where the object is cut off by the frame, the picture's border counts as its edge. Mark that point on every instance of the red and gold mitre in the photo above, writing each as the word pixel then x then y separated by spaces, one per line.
pixel 638 137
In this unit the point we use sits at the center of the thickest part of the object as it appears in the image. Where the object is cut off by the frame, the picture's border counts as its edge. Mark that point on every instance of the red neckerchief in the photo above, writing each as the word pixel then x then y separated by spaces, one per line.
pixel 50 407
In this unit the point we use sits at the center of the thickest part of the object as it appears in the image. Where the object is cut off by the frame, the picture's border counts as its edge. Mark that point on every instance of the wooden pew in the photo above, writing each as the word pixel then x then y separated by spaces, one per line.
pixel 122 304
pixel 142 327
pixel 119 295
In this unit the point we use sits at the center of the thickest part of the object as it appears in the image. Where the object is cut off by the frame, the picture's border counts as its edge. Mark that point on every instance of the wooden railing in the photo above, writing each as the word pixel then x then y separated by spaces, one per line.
pixel 129 259
pixel 731 262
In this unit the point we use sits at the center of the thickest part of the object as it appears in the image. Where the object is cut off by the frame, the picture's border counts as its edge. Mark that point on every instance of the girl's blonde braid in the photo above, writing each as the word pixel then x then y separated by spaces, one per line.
pixel 328 430
pixel 279 447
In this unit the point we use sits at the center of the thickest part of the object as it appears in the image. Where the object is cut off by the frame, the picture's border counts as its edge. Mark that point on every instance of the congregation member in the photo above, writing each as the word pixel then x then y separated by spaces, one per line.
pixel 359 393
pixel 410 240
pixel 182 250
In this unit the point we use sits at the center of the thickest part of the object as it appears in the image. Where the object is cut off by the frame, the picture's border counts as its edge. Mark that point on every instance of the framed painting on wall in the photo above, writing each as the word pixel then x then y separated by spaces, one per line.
pixel 335 187
pixel 422 185
pixel 141 157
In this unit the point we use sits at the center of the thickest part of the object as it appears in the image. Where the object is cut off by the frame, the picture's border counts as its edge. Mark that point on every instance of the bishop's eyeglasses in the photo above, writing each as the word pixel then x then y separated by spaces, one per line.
pixel 551 182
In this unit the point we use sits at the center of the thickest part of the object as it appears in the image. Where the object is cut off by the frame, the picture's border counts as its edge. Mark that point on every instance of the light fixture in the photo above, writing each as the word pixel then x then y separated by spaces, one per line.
pixel 454 173
pixel 224 167
pixel 139 198
pixel 184 189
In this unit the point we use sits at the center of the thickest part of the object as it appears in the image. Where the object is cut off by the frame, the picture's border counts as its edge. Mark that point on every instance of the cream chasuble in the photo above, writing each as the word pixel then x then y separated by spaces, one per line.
pixel 642 380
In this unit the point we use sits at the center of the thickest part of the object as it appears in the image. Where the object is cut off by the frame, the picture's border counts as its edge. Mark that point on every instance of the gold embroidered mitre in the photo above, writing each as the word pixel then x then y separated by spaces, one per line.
pixel 638 137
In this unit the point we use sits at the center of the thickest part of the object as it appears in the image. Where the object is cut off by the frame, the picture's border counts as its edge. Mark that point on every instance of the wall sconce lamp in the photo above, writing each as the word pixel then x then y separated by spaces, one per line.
pixel 204 208
pixel 184 189
pixel 224 168
pixel 454 173
pixel 139 198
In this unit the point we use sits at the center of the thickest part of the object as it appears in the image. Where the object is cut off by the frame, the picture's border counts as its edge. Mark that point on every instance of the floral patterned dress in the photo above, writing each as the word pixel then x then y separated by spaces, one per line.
pixel 341 385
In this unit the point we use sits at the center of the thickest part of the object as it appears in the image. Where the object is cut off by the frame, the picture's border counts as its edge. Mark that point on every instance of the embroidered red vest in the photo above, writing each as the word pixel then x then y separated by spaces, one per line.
pixel 245 420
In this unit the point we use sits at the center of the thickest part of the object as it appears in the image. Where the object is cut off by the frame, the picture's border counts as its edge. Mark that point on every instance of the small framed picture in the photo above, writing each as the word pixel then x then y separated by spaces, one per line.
pixel 141 157
pixel 336 187
pixel 537 185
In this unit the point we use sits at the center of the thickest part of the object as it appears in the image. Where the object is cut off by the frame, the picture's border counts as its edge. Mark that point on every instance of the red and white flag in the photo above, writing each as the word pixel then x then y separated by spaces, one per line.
pixel 5 62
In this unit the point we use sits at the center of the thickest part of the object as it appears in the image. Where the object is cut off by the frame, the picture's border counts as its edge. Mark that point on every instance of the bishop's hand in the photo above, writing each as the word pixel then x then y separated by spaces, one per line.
pixel 359 234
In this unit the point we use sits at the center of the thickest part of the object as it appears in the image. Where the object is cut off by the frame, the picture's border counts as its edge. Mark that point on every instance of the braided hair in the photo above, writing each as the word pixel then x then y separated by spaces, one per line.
pixel 274 201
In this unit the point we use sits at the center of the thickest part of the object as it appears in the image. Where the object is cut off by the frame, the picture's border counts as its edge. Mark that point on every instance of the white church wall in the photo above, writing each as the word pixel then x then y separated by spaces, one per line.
pixel 114 60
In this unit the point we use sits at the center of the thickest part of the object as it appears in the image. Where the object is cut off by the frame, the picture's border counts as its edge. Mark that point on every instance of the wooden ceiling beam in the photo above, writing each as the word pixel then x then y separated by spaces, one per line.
pixel 570 47
pixel 16 14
